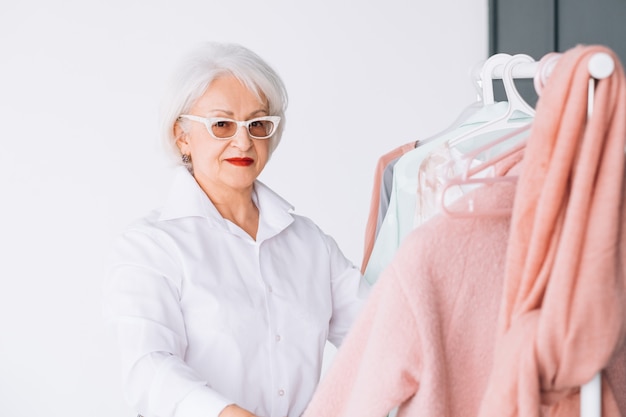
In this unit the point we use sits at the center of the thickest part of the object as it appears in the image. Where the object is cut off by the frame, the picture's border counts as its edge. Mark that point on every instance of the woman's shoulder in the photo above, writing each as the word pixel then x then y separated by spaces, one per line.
pixel 146 231
pixel 305 222
pixel 144 244
pixel 314 232
pixel 146 223
pixel 145 241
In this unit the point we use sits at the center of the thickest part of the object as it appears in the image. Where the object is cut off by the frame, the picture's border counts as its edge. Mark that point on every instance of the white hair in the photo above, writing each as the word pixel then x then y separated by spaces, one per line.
pixel 204 64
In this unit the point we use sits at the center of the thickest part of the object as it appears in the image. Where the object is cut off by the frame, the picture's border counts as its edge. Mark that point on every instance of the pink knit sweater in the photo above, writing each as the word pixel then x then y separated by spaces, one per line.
pixel 425 338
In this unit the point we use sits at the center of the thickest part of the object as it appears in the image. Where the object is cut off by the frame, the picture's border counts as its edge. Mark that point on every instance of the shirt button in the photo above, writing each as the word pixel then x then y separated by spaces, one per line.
pixel 281 392
pixel 278 338
pixel 269 288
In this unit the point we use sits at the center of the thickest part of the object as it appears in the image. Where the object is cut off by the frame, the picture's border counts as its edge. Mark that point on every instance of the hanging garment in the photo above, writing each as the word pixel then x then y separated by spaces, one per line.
pixel 425 339
pixel 478 122
pixel 468 153
pixel 377 201
pixel 433 188
pixel 564 302
pixel 400 218
pixel 386 184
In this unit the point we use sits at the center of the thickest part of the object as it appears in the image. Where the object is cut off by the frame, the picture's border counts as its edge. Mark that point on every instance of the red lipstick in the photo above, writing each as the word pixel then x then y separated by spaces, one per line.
pixel 240 162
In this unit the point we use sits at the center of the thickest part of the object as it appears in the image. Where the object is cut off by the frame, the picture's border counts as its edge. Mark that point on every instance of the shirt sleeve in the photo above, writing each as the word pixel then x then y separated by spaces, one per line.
pixel 142 311
pixel 349 292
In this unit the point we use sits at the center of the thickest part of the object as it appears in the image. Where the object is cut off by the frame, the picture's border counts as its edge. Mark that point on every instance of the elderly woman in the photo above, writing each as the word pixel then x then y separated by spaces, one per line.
pixel 223 299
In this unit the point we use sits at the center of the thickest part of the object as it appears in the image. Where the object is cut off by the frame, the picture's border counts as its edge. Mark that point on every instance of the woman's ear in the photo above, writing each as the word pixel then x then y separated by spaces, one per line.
pixel 181 138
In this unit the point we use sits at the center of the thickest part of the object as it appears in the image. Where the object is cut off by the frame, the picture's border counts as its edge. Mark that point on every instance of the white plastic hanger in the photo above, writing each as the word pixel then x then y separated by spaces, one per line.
pixel 510 141
pixel 487 75
pixel 516 103
pixel 484 86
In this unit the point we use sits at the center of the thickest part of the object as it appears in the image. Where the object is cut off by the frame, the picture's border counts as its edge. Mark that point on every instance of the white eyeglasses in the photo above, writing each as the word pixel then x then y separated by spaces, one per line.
pixel 222 128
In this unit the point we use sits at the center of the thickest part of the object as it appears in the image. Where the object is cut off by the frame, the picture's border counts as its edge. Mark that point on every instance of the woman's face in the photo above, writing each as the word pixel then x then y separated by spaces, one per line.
pixel 235 163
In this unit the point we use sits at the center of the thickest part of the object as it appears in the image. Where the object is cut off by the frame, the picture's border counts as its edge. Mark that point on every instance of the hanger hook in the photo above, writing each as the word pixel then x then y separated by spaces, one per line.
pixel 486 75
pixel 544 68
pixel 516 102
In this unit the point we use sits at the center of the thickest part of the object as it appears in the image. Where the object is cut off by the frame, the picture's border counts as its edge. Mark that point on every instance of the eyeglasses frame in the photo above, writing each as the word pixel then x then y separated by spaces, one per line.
pixel 208 122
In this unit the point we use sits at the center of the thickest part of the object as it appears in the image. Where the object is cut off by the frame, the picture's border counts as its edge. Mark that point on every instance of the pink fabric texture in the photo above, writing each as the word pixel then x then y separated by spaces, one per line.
pixel 425 338
pixel 563 308
pixel 507 316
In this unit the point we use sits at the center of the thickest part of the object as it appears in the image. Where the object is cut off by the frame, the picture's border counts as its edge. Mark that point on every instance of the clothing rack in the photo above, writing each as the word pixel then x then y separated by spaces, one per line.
pixel 415 273
pixel 601 65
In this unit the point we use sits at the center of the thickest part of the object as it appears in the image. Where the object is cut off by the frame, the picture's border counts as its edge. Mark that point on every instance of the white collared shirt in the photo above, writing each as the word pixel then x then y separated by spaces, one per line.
pixel 205 316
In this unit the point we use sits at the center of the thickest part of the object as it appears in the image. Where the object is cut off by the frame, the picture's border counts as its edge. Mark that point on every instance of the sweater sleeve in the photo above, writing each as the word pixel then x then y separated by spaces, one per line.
pixel 378 365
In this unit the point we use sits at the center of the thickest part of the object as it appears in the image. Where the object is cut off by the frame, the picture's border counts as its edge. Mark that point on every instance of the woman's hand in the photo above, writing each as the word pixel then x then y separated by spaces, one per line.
pixel 234 410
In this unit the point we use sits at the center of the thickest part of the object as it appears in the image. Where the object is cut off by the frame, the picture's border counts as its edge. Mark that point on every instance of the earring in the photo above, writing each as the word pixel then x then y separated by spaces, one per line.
pixel 186 158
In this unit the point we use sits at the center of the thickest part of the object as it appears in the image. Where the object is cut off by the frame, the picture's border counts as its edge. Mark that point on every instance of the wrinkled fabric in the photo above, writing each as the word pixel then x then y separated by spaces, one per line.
pixel 562 314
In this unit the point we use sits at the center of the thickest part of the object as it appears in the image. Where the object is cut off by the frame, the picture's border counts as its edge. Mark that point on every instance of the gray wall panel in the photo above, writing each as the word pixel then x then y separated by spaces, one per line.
pixel 536 27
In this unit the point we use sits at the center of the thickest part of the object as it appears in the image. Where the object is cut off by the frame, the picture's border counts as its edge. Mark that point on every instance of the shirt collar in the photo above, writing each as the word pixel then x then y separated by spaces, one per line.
pixel 187 199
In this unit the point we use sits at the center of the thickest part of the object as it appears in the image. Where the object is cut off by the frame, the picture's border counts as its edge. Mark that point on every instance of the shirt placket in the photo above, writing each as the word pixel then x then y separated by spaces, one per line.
pixel 279 381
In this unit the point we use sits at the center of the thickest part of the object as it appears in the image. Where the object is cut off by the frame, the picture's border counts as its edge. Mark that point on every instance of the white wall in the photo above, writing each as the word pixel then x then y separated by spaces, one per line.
pixel 80 83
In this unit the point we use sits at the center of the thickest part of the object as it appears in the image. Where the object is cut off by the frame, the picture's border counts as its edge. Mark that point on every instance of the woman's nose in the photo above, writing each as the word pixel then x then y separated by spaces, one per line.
pixel 242 138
